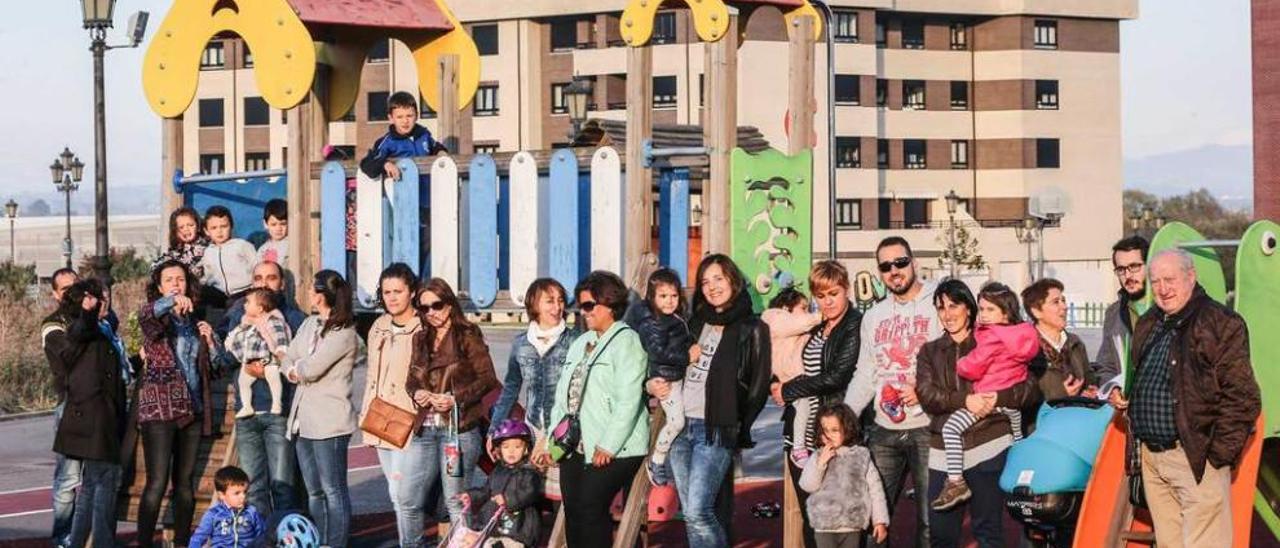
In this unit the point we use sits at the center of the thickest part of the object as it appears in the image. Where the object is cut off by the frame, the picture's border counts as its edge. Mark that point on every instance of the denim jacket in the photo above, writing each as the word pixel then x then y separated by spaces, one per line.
pixel 537 375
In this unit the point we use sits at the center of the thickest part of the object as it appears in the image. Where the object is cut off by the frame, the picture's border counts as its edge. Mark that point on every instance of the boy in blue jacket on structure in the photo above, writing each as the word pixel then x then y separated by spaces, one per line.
pixel 231 522
pixel 404 139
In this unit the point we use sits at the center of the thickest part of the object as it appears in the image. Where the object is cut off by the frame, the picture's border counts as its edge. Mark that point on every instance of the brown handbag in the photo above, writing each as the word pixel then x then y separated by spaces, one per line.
pixel 386 421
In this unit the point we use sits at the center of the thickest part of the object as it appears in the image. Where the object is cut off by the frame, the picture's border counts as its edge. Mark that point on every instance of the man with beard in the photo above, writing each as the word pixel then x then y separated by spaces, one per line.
pixel 1128 257
pixel 893 331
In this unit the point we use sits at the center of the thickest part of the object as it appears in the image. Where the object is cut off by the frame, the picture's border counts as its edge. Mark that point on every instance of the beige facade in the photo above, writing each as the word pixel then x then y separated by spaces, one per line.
pixel 997 100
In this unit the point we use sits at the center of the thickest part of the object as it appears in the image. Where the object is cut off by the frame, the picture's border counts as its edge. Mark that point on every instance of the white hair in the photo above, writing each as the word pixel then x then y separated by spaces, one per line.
pixel 1184 259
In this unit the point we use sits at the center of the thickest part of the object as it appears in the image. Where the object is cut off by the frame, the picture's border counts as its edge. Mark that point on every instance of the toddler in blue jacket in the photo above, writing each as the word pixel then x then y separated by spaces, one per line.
pixel 231 522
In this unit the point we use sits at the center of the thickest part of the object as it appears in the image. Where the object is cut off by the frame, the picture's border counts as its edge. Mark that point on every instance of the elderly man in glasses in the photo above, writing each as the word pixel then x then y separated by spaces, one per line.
pixel 1128 257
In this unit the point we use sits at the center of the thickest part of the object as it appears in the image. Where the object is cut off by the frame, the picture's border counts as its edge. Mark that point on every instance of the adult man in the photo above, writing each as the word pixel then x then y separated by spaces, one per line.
pixel 1192 404
pixel 1128 258
pixel 266 454
pixel 66 470
pixel 893 331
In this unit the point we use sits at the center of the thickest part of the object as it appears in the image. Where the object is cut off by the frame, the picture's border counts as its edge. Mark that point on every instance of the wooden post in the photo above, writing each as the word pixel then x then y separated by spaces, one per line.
pixel 450 120
pixel 170 163
pixel 317 136
pixel 296 193
pixel 720 133
pixel 639 183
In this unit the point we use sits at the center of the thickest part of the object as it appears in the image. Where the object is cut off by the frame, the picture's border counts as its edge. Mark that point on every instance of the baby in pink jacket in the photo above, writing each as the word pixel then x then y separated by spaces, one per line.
pixel 1004 346
pixel 790 323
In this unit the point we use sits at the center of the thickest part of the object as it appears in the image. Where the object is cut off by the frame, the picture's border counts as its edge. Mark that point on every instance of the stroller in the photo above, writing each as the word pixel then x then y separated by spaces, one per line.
pixel 461 536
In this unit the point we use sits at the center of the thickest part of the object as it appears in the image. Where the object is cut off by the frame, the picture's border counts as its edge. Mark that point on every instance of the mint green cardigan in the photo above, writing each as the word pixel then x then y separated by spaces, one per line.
pixel 612 415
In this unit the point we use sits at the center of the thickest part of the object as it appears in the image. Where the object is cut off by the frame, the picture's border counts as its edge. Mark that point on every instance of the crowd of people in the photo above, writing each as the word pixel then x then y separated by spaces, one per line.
pixel 932 383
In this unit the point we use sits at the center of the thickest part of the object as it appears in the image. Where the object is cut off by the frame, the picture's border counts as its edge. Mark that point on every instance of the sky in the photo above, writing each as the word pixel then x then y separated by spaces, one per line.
pixel 46 95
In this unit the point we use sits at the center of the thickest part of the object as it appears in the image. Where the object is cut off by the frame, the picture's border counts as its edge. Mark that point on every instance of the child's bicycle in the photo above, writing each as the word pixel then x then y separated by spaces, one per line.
pixel 461 536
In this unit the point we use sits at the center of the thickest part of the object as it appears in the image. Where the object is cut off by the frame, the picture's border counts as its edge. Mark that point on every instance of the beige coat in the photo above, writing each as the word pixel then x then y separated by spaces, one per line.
pixel 390 353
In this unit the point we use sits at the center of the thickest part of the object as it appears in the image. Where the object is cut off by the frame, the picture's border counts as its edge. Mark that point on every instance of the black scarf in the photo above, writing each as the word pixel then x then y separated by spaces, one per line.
pixel 722 416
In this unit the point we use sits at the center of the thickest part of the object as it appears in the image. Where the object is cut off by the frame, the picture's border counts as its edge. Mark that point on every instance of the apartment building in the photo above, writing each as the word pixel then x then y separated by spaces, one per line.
pixel 1266 121
pixel 1003 102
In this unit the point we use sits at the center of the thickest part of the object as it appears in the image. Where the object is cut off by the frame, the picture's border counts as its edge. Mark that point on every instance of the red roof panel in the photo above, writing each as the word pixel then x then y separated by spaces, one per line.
pixel 392 14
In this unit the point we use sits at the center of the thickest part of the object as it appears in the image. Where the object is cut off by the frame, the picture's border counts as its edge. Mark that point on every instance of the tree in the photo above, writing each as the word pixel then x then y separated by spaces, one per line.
pixel 126 264
pixel 1201 211
pixel 16 279
pixel 964 250
pixel 38 208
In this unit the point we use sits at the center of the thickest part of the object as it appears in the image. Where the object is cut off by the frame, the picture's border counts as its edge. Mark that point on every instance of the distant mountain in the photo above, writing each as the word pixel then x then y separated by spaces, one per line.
pixel 1226 171
pixel 122 200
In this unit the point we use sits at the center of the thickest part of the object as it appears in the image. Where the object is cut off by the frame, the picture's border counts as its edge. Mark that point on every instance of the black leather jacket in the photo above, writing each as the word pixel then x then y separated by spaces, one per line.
pixel 839 360
pixel 666 339
pixel 754 372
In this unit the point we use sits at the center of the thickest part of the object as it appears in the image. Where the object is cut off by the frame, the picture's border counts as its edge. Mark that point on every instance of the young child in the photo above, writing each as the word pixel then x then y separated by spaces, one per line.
pixel 275 218
pixel 228 262
pixel 514 485
pixel 404 139
pixel 845 493
pixel 263 334
pixel 186 242
pixel 790 322
pixel 665 335
pixel 1005 345
pixel 229 523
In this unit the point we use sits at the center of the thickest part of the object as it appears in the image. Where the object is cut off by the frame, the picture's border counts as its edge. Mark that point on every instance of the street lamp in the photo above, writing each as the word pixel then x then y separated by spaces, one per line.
pixel 953 200
pixel 1029 232
pixel 1145 220
pixel 11 211
pixel 578 95
pixel 67 171
pixel 98 16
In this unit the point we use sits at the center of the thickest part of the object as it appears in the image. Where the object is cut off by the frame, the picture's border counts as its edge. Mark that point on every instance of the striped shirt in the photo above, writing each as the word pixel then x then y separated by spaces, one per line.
pixel 811 358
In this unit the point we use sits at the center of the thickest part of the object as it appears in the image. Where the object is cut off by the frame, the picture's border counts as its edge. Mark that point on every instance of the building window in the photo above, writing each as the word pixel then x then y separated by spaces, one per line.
pixel 959 36
pixel 882 38
pixel 486 148
pixel 1047 153
pixel 913 94
pixel 848 152
pixel 486 102
pixel 256 112
pixel 848 213
pixel 848 89
pixel 213 57
pixel 664 91
pixel 559 101
pixel 846 26
pixel 212 164
pixel 257 161
pixel 1046 36
pixel 380 52
pixel 564 34
pixel 248 55
pixel 960 154
pixel 882 92
pixel 211 113
pixel 1047 94
pixel 882 153
pixel 664 28
pixel 915 213
pixel 377 105
pixel 486 38
pixel 959 95
pixel 914 151
pixel 913 34
pixel 425 110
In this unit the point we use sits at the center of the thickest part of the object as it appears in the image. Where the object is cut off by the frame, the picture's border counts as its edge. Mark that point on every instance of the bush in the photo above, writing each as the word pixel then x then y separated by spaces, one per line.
pixel 16 280
pixel 126 264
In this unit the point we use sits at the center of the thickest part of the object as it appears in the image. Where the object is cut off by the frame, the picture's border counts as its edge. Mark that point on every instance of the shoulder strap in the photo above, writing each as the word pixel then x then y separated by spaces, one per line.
pixel 595 356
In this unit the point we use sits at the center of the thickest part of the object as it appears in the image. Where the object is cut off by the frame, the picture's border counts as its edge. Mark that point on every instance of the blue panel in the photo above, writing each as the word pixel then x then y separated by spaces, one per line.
pixel 564 229
pixel 504 233
pixel 244 197
pixel 482 231
pixel 333 218
pixel 673 221
pixel 584 224
pixel 424 220
pixel 405 228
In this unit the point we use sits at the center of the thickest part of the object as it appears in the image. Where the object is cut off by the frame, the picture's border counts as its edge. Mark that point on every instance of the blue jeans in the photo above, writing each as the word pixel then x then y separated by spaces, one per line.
pixel 96 504
pixel 699 469
pixel 66 478
pixel 324 470
pixel 267 456
pixel 412 471
pixel 986 508
pixel 894 453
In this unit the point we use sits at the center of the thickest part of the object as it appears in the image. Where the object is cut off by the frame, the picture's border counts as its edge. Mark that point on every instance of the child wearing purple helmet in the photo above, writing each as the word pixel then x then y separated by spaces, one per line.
pixel 514 489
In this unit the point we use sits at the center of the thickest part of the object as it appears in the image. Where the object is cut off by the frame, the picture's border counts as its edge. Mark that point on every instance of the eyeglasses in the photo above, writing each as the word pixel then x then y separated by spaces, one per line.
pixel 587 306
pixel 1131 268
pixel 901 263
pixel 436 306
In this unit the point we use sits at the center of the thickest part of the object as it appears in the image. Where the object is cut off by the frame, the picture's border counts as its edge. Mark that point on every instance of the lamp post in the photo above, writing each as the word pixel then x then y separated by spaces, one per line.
pixel 953 200
pixel 67 171
pixel 11 211
pixel 1145 222
pixel 578 95
pixel 1029 232
pixel 97 16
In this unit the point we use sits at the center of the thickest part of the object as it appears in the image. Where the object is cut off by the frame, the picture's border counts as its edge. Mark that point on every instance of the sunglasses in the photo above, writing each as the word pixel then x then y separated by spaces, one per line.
pixel 901 263
pixel 587 306
pixel 436 306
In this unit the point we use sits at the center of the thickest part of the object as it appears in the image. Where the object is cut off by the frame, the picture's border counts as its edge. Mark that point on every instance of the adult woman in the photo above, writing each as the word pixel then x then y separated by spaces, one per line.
pixel 172 396
pixel 941 391
pixel 829 358
pixel 320 361
pixel 186 243
pixel 600 385
pixel 1063 366
pixel 390 343
pixel 724 389
pixel 449 374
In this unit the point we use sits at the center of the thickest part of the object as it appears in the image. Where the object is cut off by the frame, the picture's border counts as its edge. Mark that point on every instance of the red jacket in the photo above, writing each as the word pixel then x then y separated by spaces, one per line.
pixel 1000 359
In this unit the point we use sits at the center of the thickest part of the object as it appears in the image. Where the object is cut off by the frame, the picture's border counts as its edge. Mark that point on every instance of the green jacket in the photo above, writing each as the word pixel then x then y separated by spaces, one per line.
pixel 612 415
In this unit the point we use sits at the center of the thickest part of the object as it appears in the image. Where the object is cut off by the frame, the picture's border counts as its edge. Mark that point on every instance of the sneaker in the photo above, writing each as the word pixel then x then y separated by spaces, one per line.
pixel 658 473
pixel 953 494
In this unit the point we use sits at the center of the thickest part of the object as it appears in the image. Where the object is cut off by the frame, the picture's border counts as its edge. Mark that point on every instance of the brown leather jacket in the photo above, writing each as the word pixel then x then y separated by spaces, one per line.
pixel 1215 395
pixel 461 366
pixel 941 391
